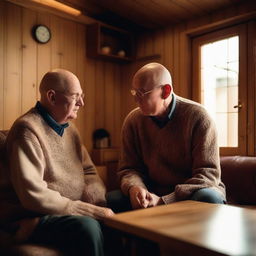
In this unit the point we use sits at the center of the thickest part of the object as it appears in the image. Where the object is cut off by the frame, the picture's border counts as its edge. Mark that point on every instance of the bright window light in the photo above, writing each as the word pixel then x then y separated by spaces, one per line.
pixel 219 87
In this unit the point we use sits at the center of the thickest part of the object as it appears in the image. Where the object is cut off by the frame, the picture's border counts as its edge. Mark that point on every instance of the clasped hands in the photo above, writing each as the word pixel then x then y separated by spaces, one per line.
pixel 142 198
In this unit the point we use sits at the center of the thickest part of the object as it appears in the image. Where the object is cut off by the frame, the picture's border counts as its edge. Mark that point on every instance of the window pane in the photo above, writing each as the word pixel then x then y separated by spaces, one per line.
pixel 219 87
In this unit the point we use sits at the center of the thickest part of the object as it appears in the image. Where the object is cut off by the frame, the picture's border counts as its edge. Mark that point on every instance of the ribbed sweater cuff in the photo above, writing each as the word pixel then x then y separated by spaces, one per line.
pixel 170 198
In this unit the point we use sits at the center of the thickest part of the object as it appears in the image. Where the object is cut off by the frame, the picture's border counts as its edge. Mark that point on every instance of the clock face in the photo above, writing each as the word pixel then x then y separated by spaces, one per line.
pixel 42 34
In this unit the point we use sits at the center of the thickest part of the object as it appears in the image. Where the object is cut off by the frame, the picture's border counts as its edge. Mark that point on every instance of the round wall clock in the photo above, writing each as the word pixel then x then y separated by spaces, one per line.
pixel 42 34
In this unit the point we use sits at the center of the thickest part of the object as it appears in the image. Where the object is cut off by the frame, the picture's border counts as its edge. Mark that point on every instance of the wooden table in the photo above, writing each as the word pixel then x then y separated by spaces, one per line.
pixel 193 228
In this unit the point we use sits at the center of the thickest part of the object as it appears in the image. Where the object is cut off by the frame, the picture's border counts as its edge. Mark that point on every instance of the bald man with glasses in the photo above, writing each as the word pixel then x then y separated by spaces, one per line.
pixel 169 146
pixel 52 193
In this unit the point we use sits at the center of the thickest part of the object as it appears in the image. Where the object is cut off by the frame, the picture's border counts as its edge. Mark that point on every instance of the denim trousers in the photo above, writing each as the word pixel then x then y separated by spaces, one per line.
pixel 74 235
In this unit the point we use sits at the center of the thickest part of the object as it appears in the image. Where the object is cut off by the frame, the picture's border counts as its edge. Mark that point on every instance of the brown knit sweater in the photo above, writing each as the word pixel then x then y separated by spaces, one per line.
pixel 173 161
pixel 46 173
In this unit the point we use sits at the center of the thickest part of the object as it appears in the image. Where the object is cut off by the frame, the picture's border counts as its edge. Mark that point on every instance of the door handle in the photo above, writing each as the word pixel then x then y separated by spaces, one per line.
pixel 239 106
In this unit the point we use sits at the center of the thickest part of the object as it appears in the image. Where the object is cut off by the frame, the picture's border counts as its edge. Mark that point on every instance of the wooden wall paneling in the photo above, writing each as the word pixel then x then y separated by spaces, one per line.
pixel 176 61
pixel 251 141
pixel 185 68
pixel 195 78
pixel 127 101
pixel 109 106
pixel 68 42
pixel 80 72
pixel 140 46
pixel 56 42
pixel 43 51
pixel 29 61
pixel 100 92
pixel 12 86
pixel 159 44
pixel 118 120
pixel 168 48
pixel 90 114
pixel 149 45
pixel 2 57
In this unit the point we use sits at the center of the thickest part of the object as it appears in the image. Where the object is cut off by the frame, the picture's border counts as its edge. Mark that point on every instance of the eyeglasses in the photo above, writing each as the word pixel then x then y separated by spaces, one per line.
pixel 142 94
pixel 74 96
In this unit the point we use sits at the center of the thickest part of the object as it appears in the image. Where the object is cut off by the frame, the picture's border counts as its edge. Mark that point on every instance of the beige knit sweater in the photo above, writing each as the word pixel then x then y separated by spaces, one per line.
pixel 46 173
pixel 173 161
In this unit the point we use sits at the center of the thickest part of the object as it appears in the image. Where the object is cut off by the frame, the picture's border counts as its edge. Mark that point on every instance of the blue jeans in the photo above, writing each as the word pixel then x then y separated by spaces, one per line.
pixel 118 202
pixel 77 235
pixel 208 195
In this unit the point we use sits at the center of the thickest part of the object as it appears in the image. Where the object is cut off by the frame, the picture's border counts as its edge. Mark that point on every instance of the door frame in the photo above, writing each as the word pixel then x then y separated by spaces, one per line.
pixel 197 42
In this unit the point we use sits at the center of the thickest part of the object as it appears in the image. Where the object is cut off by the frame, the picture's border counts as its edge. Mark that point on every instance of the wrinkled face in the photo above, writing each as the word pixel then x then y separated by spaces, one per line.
pixel 68 102
pixel 149 98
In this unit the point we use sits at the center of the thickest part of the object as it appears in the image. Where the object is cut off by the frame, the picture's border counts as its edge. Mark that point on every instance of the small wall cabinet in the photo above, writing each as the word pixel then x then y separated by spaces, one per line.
pixel 109 43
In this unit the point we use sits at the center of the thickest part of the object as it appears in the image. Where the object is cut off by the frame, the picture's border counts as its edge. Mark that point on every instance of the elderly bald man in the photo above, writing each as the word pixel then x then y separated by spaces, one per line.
pixel 53 192
pixel 169 146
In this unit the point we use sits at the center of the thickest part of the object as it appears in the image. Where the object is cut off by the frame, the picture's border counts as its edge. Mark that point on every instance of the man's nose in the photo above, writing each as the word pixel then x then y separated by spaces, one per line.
pixel 80 102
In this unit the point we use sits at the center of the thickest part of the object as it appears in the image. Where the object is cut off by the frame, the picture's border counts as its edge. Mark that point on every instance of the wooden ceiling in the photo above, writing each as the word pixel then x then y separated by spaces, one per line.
pixel 148 14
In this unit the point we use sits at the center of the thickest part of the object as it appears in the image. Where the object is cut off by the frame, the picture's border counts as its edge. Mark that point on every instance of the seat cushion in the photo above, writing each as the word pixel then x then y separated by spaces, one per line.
pixel 30 250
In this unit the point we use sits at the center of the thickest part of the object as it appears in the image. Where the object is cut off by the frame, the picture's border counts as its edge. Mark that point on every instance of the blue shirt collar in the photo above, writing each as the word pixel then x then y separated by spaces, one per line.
pixel 58 128
pixel 162 123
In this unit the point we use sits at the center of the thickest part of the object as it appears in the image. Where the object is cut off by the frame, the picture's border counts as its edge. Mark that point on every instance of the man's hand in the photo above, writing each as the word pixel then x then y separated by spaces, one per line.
pixel 86 209
pixel 142 198
pixel 101 213
pixel 154 200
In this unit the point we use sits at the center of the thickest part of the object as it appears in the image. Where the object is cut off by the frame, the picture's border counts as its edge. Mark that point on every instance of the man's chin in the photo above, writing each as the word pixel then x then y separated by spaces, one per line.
pixel 146 113
pixel 71 117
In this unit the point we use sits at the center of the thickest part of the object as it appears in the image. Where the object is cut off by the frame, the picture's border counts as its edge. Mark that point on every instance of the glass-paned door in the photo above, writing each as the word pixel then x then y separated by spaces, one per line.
pixel 219 84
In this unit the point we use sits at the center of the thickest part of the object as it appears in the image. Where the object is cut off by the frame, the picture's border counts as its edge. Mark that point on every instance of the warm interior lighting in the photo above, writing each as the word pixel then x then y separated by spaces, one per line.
pixel 58 6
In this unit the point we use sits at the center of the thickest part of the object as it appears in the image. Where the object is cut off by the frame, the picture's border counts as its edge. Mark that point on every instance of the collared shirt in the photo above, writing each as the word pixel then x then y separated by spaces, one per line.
pixel 161 123
pixel 58 128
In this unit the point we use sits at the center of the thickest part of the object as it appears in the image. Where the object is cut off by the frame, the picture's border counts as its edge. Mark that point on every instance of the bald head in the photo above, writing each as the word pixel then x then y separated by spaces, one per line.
pixel 59 80
pixel 61 95
pixel 152 75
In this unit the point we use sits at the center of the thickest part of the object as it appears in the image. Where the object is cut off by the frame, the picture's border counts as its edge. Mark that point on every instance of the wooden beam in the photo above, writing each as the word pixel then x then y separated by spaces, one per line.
pixel 43 8
pixel 221 23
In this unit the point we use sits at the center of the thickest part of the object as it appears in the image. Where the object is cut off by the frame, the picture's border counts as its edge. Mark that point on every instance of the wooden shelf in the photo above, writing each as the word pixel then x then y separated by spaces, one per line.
pixel 99 36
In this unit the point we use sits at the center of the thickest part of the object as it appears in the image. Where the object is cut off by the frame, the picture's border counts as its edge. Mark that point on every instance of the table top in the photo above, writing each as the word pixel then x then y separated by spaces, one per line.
pixel 194 228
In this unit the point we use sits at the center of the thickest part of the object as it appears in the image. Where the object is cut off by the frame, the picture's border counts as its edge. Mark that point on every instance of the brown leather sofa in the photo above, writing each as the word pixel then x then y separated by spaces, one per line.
pixel 238 174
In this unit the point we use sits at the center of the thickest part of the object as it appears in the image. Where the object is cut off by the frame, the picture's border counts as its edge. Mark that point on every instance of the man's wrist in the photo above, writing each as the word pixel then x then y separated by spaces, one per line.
pixel 129 190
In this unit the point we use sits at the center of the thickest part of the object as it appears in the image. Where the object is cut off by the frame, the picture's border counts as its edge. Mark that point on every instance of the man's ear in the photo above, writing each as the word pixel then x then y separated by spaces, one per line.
pixel 51 96
pixel 167 90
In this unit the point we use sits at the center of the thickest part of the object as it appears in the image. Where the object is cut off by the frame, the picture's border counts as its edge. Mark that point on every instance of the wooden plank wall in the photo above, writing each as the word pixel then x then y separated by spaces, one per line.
pixel 23 62
pixel 173 44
